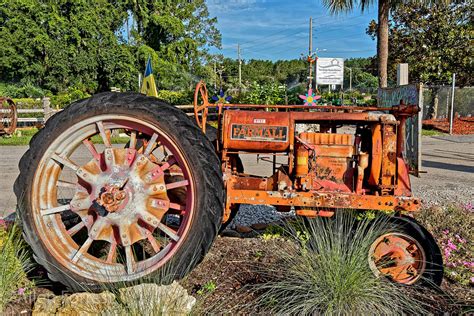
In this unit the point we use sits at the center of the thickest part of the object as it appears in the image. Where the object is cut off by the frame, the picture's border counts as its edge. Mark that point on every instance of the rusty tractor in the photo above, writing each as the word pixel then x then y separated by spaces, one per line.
pixel 8 115
pixel 121 187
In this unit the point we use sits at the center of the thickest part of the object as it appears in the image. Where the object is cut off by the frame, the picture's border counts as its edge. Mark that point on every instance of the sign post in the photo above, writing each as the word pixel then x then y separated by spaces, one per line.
pixel 330 71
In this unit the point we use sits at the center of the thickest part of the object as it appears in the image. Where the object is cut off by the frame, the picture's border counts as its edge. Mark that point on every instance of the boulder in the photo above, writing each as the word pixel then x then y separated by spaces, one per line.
pixel 142 299
pixel 153 299
pixel 76 304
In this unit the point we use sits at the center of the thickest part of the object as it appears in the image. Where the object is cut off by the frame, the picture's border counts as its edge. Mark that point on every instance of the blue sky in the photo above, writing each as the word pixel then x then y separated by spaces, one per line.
pixel 278 29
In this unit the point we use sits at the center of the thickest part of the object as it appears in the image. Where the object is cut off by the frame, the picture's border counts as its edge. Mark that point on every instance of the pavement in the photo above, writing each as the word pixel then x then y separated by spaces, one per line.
pixel 447 163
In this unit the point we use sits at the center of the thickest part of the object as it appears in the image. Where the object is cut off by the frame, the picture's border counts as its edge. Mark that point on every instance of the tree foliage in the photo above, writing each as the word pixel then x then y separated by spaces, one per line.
pixel 82 43
pixel 435 41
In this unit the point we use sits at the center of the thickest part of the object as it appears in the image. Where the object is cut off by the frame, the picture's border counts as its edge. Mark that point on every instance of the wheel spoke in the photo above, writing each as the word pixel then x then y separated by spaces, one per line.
pixel 103 134
pixel 66 184
pixel 152 240
pixel 112 252
pixel 178 207
pixel 130 259
pixel 90 146
pixel 65 162
pixel 177 184
pixel 151 144
pixel 55 210
pixel 133 140
pixel 168 164
pixel 168 231
pixel 82 250
pixel 75 229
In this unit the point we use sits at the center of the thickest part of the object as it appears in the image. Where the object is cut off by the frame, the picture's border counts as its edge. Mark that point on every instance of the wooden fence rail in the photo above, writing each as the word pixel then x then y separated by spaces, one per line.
pixel 47 112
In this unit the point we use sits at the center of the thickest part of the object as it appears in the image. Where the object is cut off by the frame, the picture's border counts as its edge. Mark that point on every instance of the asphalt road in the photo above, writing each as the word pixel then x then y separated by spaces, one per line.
pixel 447 160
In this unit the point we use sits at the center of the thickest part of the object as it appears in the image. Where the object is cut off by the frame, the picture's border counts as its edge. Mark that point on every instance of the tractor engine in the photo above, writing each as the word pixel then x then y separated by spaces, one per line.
pixel 326 162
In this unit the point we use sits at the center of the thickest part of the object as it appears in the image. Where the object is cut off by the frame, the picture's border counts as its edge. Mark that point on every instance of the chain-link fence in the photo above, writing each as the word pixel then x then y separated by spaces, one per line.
pixel 437 101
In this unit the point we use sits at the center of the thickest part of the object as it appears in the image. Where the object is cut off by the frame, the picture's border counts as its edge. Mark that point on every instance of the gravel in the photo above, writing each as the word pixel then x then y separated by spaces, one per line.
pixel 257 214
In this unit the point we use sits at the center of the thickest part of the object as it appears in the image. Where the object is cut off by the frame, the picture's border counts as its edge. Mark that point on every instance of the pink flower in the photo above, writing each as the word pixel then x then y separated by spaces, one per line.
pixel 447 252
pixel 446 231
pixel 461 240
pixel 472 279
pixel 451 245
pixel 21 291
pixel 468 264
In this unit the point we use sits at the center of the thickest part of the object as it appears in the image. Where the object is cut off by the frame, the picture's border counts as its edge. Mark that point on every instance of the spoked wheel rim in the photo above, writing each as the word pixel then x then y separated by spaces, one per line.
pixel 201 110
pixel 120 203
pixel 8 116
pixel 399 257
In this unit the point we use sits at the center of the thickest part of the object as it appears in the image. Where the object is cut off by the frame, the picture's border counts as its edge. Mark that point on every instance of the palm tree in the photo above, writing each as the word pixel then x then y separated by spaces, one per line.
pixel 384 6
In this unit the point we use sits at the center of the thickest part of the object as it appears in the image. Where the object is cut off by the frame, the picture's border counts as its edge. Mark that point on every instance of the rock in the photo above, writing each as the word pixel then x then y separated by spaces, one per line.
pixel 88 303
pixel 243 229
pixel 76 304
pixel 230 233
pixel 142 299
pixel 260 226
pixel 47 304
pixel 153 299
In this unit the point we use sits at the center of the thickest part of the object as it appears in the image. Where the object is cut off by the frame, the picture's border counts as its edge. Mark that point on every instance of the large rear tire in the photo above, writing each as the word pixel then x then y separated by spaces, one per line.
pixel 148 210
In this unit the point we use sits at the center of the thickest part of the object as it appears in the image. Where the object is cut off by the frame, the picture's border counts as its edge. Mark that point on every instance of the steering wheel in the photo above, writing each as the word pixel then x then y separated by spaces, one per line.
pixel 201 110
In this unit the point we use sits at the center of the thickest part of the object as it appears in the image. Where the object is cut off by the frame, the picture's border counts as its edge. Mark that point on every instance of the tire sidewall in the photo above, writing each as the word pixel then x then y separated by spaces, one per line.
pixel 190 141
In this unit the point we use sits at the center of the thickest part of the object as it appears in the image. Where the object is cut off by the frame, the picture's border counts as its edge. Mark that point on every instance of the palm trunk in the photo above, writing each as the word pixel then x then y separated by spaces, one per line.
pixel 382 41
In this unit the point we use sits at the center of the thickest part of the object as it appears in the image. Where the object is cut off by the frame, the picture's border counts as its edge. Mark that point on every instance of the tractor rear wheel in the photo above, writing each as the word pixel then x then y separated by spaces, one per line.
pixel 98 213
pixel 407 254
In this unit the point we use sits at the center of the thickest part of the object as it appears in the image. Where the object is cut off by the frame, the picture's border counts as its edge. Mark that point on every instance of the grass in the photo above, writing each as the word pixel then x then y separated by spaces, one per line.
pixel 14 265
pixel 22 137
pixel 326 271
pixel 431 132
pixel 19 138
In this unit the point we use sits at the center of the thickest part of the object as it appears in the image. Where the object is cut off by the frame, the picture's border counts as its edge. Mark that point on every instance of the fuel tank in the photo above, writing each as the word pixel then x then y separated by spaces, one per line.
pixel 256 131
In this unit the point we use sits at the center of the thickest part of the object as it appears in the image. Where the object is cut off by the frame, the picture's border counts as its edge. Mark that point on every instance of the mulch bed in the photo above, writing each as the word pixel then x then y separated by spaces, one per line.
pixel 462 125
pixel 234 265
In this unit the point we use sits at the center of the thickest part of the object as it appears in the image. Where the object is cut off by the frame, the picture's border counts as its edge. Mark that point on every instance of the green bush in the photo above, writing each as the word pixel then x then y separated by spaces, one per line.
pixel 63 99
pixel 176 97
pixel 28 103
pixel 21 91
pixel 326 271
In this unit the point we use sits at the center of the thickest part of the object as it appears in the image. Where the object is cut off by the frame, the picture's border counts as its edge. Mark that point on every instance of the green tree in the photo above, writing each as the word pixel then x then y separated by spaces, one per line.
pixel 435 41
pixel 62 44
pixel 383 12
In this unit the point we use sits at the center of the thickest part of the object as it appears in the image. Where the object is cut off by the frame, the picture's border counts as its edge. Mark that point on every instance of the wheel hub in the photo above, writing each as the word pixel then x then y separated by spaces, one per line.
pixel 112 199
pixel 397 256
pixel 129 187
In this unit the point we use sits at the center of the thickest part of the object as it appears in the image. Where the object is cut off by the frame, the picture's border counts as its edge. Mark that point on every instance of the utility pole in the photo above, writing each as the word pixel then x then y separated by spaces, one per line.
pixel 451 114
pixel 310 53
pixel 310 36
pixel 240 66
pixel 350 78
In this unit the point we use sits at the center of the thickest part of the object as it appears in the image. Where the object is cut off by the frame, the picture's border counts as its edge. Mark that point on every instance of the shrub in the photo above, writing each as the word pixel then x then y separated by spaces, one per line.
pixel 175 97
pixel 327 272
pixel 14 264
pixel 452 227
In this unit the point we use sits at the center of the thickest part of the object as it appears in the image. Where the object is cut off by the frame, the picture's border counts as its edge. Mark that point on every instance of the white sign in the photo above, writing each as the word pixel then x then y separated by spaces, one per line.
pixel 330 71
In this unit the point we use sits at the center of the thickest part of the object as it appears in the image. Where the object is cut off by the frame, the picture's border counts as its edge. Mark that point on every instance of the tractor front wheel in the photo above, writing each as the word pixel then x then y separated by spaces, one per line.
pixel 407 254
pixel 117 188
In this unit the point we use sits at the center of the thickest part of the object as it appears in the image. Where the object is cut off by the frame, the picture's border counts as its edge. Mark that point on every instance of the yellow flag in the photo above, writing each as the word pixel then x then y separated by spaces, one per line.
pixel 148 84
